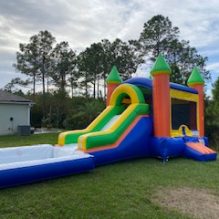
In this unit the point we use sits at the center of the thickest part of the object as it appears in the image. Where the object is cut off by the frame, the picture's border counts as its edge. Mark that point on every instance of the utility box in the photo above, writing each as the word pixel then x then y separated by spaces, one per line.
pixel 24 130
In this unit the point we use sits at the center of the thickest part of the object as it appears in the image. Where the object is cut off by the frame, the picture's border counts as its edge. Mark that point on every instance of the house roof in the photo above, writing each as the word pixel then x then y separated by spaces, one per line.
pixel 6 97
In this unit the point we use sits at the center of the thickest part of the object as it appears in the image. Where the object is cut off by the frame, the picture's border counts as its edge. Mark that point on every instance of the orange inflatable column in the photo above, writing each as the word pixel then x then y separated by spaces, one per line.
pixel 196 81
pixel 113 80
pixel 161 97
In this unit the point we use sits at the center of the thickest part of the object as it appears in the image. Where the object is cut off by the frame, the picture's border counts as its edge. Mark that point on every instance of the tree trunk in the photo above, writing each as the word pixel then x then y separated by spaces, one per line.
pixel 104 85
pixel 98 86
pixel 43 77
pixel 43 83
pixel 86 90
pixel 86 85
pixel 34 84
pixel 94 87
pixel 62 85
pixel 72 90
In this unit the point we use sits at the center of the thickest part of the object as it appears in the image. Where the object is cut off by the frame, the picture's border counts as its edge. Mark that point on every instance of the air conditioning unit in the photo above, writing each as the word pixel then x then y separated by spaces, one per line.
pixel 24 130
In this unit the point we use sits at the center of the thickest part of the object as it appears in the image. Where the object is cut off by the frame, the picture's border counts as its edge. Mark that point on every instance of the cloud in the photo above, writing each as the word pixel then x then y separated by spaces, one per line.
pixel 213 66
pixel 82 22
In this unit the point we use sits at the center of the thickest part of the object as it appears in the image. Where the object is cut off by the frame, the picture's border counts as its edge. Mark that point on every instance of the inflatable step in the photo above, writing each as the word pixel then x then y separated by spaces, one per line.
pixel 198 151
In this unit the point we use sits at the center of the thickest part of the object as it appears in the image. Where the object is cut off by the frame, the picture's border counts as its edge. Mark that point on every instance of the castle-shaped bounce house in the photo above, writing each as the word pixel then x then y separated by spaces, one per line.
pixel 147 118
pixel 143 118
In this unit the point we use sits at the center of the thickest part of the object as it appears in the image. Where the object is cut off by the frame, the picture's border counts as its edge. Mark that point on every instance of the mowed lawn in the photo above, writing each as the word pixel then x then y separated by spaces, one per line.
pixel 122 190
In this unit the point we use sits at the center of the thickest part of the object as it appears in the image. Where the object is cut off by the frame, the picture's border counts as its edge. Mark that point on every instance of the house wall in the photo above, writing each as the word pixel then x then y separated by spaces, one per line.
pixel 20 114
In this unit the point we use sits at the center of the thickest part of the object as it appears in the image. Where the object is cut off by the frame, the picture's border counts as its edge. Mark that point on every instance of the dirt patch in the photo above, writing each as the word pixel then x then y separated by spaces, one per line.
pixel 198 203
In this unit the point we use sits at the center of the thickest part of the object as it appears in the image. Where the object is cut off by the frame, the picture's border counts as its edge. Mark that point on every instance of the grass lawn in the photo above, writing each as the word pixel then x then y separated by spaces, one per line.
pixel 122 190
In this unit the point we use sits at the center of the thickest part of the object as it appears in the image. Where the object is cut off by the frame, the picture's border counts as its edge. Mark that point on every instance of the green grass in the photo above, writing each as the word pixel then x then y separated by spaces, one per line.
pixel 122 190
pixel 13 140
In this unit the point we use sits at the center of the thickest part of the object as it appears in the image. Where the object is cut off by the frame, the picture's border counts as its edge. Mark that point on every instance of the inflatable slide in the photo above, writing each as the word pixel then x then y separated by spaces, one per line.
pixel 125 124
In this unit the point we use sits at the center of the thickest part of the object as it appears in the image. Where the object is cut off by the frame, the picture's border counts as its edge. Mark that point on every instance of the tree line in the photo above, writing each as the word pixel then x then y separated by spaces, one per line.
pixel 46 62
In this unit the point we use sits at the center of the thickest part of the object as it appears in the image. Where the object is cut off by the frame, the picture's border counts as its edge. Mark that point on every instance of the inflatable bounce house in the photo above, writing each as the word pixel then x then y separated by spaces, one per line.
pixel 143 118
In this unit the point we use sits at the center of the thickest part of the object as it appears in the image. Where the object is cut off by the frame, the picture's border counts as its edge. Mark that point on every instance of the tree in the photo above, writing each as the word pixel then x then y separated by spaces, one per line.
pixel 45 42
pixel 27 61
pixel 82 112
pixel 85 74
pixel 157 34
pixel 34 59
pixel 14 82
pixel 182 58
pixel 63 64
pixel 97 60
pixel 123 55
pixel 91 64
pixel 160 36
pixel 73 79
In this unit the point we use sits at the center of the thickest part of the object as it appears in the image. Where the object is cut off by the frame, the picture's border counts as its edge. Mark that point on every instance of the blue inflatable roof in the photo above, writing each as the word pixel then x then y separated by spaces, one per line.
pixel 145 82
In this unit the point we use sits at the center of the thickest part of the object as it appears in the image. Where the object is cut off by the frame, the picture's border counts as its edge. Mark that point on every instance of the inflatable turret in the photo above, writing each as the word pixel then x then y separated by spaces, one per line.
pixel 196 81
pixel 113 80
pixel 161 97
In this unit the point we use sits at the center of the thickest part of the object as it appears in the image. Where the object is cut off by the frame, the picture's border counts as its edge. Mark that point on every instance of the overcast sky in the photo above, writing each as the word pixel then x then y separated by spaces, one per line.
pixel 82 22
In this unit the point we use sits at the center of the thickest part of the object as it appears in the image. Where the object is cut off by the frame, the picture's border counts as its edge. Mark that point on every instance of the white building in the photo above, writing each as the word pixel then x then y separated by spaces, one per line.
pixel 14 112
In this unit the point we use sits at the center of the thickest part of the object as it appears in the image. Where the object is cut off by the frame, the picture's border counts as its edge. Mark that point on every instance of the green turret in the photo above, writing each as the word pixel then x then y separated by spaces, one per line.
pixel 197 82
pixel 160 66
pixel 195 77
pixel 113 77
pixel 113 80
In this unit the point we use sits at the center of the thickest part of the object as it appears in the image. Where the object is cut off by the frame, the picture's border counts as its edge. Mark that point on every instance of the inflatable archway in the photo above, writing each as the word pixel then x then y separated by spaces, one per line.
pixel 124 90
pixel 120 118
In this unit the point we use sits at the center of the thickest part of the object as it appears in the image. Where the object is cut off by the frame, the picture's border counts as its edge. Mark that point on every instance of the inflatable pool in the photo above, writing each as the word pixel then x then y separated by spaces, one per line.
pixel 21 165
